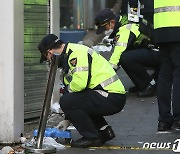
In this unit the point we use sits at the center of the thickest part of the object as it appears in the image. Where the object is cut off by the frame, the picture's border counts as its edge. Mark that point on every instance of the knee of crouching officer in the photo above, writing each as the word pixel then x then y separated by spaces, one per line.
pixel 125 60
pixel 65 102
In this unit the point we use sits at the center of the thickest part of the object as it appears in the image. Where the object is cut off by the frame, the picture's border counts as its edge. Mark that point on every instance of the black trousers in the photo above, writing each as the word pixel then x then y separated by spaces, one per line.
pixel 135 63
pixel 169 82
pixel 86 110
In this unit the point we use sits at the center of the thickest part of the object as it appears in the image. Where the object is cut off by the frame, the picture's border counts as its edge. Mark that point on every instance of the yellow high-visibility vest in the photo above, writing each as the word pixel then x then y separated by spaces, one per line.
pixel 101 71
pixel 166 13
pixel 122 42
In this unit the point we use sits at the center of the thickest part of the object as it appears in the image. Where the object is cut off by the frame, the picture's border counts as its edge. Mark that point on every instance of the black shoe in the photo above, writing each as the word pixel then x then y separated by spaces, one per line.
pixel 176 125
pixel 85 143
pixel 133 89
pixel 164 126
pixel 150 90
pixel 107 134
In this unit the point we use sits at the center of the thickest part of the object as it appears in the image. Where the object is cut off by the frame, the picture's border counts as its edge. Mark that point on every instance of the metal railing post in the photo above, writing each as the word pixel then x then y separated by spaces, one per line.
pixel 39 147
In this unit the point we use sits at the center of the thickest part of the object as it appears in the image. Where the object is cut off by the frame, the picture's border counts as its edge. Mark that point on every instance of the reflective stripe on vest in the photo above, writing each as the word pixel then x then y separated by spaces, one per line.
pixel 79 69
pixel 129 26
pixel 109 81
pixel 166 14
pixel 167 9
pixel 121 44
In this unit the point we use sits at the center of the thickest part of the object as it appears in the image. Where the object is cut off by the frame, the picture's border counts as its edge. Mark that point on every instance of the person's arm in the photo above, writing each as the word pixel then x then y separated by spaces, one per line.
pixel 117 6
pixel 127 35
pixel 79 68
pixel 92 39
pixel 120 46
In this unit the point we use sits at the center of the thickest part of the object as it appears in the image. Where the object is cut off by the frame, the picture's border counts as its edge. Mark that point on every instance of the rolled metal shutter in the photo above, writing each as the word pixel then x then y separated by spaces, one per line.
pixel 36 25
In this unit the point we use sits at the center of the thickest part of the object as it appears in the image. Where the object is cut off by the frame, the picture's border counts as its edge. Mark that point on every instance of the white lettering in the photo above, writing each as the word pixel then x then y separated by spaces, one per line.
pixel 161 145
pixel 146 145
pixel 176 146
pixel 168 145
pixel 153 145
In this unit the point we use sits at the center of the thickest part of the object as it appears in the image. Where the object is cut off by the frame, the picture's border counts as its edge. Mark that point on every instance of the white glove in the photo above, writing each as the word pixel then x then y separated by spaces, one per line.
pixel 64 124
pixel 106 40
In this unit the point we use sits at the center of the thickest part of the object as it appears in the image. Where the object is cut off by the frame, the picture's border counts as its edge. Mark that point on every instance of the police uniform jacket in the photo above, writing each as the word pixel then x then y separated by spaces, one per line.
pixel 167 20
pixel 128 37
pixel 87 69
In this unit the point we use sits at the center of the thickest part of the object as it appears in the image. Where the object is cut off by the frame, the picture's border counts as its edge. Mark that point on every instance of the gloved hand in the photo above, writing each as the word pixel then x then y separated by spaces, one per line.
pixel 106 41
pixel 63 124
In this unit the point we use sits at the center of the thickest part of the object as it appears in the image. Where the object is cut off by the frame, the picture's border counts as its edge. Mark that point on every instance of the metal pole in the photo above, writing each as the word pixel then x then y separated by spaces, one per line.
pixel 47 101
pixel 39 147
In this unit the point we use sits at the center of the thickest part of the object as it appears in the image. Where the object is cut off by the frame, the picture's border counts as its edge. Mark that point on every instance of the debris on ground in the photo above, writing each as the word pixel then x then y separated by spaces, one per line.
pixel 12 150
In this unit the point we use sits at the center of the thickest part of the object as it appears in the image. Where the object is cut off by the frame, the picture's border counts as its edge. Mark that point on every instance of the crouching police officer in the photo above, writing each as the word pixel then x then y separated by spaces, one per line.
pixel 94 90
pixel 133 50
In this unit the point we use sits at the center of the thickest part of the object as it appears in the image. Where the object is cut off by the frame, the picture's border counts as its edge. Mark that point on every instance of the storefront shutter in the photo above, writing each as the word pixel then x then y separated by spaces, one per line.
pixel 36 25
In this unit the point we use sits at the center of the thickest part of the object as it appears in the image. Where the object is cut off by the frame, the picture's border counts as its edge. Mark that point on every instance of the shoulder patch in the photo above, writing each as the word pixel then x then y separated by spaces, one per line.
pixel 73 62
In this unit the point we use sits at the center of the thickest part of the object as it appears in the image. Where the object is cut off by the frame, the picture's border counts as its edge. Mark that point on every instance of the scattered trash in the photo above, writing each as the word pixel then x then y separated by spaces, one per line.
pixel 46 141
pixel 54 133
pixel 50 141
pixel 23 139
pixel 7 150
pixel 102 48
pixel 19 150
pixel 55 107
pixel 140 142
pixel 163 132
pixel 71 128
pixel 30 143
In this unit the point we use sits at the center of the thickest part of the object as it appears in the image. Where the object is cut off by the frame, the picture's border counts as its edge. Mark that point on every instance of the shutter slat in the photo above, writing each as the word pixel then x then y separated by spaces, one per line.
pixel 36 26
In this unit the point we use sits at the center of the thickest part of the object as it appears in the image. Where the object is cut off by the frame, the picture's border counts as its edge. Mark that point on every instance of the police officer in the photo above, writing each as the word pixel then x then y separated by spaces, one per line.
pixel 167 35
pixel 132 50
pixel 93 90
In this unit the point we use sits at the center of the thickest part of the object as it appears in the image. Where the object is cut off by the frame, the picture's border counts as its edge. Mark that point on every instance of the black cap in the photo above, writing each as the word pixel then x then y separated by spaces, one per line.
pixel 102 19
pixel 46 43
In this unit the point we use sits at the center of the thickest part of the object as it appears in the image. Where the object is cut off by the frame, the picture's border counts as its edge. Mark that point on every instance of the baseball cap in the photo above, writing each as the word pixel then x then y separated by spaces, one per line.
pixel 102 19
pixel 45 44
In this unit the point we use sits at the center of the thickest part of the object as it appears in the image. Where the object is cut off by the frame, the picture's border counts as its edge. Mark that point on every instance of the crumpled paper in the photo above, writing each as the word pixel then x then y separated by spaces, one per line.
pixel 49 141
pixel 55 107
pixel 7 150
